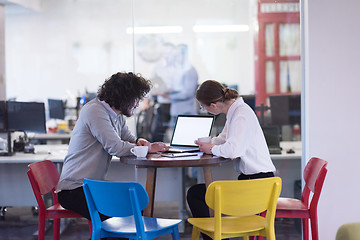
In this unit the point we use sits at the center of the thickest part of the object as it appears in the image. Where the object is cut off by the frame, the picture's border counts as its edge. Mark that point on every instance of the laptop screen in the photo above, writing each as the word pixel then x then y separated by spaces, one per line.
pixel 189 128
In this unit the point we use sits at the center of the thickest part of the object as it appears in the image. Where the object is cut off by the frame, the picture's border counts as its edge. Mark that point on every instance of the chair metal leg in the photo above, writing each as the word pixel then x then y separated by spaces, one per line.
pixel 56 229
pixel 314 227
pixel 41 227
pixel 90 228
pixel 305 226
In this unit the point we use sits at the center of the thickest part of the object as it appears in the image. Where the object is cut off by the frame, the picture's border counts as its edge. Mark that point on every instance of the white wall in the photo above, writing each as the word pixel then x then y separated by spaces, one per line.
pixel 332 90
pixel 31 4
pixel 67 47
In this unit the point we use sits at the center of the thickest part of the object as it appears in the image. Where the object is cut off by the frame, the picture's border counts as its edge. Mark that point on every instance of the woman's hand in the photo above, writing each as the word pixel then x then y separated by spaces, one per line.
pixel 158 147
pixel 205 147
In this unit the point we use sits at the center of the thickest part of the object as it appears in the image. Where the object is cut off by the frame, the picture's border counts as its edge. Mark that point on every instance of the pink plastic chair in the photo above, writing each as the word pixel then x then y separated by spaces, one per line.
pixel 314 176
pixel 44 177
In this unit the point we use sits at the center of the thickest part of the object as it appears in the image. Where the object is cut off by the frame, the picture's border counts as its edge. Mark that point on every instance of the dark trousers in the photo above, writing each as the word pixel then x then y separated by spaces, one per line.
pixel 75 201
pixel 196 197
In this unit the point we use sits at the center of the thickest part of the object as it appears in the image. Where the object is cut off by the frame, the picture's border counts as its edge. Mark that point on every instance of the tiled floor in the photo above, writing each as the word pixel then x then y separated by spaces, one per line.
pixel 20 224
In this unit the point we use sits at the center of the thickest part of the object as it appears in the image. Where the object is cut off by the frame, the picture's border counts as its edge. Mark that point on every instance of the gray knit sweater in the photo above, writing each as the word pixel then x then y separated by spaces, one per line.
pixel 98 135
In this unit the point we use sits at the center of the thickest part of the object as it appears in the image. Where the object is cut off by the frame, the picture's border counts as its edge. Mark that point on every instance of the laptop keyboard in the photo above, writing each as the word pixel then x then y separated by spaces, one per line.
pixel 182 149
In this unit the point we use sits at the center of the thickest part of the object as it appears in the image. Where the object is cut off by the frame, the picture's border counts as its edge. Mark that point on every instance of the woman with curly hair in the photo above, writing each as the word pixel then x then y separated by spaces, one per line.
pixel 100 133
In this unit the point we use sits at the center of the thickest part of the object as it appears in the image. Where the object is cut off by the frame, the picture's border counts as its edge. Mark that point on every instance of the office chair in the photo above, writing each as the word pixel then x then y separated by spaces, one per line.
pixel 314 176
pixel 123 203
pixel 236 207
pixel 348 231
pixel 144 123
pixel 44 177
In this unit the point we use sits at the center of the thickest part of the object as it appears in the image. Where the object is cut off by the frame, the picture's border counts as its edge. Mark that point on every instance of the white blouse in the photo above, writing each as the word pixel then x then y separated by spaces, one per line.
pixel 242 139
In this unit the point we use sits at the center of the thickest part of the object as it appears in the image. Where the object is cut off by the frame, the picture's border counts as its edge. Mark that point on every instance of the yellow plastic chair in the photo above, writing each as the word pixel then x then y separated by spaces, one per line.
pixel 236 207
pixel 348 231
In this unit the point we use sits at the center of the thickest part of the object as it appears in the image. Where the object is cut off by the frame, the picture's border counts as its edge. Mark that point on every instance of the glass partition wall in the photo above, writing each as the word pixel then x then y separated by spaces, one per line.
pixel 69 47
pixel 251 45
pixel 215 33
pixel 197 40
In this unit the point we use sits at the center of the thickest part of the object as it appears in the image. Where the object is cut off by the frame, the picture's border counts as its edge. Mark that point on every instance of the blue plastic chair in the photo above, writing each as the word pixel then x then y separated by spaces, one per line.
pixel 123 202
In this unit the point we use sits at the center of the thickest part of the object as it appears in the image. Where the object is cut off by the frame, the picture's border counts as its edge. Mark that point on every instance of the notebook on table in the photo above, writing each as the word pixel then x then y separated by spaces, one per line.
pixel 189 128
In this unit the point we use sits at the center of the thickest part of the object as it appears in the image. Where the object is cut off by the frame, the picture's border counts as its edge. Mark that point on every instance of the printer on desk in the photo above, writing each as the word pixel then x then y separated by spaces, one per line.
pixel 22 144
pixel 21 117
pixel 19 145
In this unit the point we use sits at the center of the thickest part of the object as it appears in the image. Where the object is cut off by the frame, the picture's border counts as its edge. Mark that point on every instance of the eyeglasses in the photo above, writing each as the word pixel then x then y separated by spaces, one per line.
pixel 136 103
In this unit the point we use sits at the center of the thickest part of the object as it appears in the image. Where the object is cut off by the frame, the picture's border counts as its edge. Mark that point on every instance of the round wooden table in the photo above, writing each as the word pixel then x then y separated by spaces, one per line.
pixel 156 160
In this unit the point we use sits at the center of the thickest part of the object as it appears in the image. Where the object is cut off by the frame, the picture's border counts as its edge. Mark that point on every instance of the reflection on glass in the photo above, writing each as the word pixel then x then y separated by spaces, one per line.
pixel 214 43
pixel 270 76
pixel 289 37
pixel 77 50
pixel 269 38
pixel 217 34
pixel 290 76
pixel 149 47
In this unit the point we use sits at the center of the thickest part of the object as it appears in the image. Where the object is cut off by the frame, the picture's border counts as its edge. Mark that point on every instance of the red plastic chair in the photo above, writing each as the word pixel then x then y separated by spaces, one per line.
pixel 314 176
pixel 44 177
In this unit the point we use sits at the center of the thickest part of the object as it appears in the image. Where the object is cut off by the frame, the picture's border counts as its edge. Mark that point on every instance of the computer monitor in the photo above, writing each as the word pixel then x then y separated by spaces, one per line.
pixel 56 108
pixel 3 117
pixel 26 116
pixel 249 100
pixel 285 109
pixel 295 109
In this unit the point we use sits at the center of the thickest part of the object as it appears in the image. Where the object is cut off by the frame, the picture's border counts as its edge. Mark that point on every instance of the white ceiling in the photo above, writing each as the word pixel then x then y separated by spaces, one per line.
pixel 23 4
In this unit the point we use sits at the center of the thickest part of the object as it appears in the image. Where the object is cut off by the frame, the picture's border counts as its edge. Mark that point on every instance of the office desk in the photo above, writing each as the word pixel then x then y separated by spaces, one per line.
pixel 52 138
pixel 154 161
pixel 15 189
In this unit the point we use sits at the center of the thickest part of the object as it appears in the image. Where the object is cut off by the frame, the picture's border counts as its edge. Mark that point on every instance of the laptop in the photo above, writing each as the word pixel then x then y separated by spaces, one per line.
pixel 189 128
pixel 272 137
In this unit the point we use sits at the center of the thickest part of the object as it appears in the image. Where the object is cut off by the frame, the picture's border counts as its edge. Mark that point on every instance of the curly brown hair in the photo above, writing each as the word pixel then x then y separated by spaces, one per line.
pixel 122 90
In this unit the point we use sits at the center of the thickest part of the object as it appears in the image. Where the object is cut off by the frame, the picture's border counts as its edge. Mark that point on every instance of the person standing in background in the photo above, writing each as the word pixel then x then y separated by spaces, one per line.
pixel 183 86
pixel 164 73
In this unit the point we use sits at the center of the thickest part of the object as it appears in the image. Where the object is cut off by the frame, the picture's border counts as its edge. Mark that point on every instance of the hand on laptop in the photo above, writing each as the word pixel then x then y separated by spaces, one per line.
pixel 153 147
pixel 205 147
pixel 158 147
